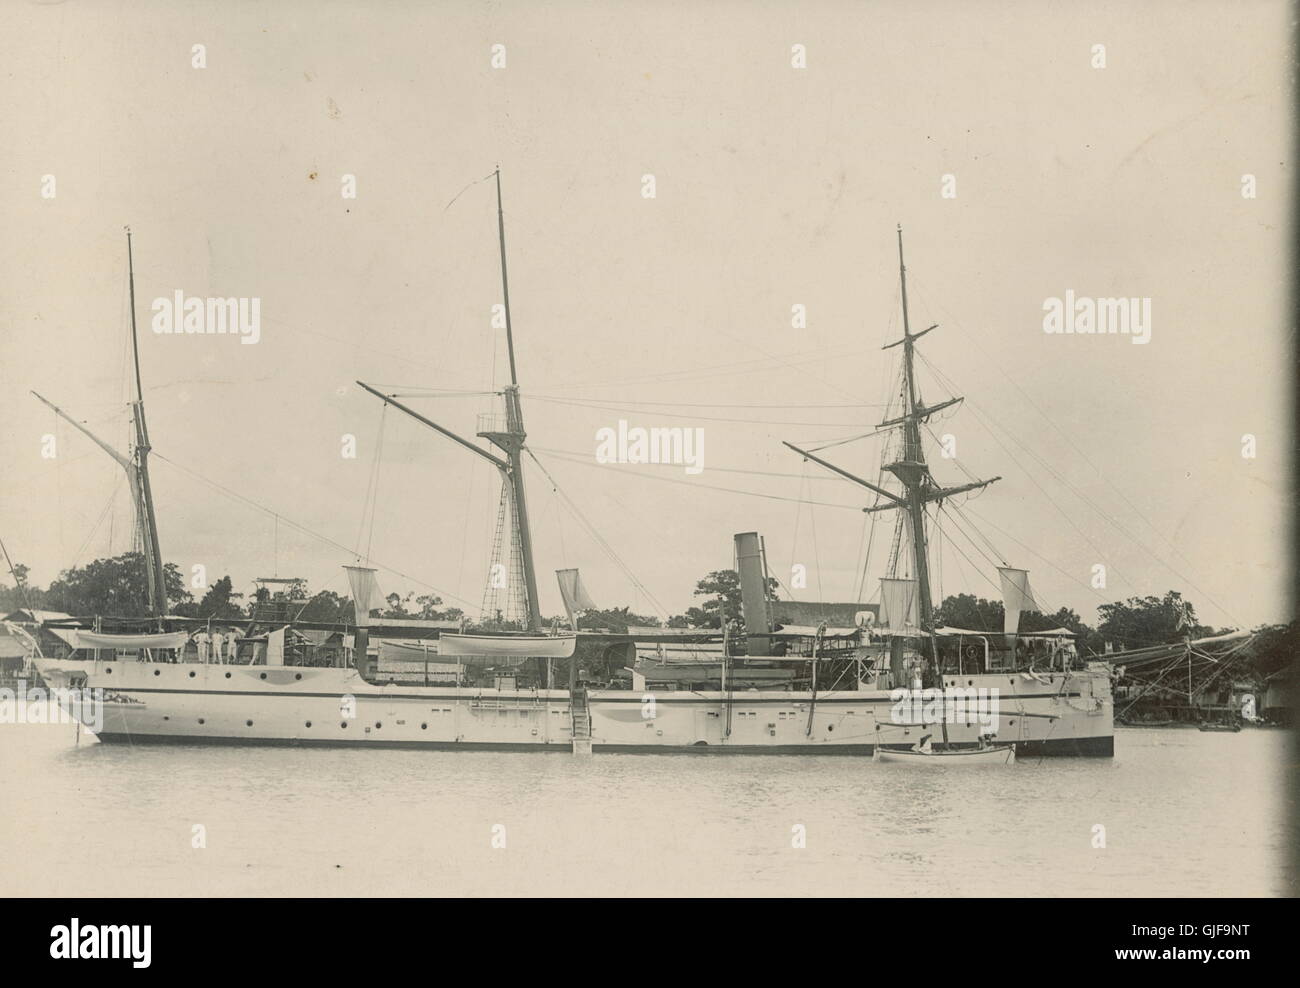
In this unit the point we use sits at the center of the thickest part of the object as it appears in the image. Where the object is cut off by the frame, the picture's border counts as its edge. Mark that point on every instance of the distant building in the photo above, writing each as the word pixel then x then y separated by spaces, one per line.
pixel 13 657
pixel 1279 698
pixel 810 613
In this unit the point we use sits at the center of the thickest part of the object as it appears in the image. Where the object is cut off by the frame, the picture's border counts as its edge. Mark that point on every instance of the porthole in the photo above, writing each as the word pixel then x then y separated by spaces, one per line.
pixel 165 717
pixel 378 725
pixel 249 723
pixel 157 672
pixel 309 723
pixel 296 675
pixel 424 727
pixel 108 670
pixel 227 675
pixel 263 675
pixel 202 721
pixel 192 674
pixel 343 723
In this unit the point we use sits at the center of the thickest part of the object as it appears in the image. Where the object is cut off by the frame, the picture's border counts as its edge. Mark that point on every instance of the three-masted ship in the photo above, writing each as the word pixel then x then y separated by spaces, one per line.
pixel 888 677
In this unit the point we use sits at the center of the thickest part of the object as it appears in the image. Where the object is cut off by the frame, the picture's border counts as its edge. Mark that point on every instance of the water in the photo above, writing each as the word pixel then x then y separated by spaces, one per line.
pixel 1185 813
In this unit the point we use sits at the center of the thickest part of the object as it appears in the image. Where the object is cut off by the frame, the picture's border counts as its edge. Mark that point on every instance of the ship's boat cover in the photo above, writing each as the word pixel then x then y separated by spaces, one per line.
pixel 94 639
pixel 514 646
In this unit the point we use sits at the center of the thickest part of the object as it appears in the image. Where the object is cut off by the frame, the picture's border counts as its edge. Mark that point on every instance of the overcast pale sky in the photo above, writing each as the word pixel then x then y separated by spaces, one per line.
pixel 774 185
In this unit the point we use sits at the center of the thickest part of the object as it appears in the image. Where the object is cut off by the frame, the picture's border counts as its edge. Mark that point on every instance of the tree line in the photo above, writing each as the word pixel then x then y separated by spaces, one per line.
pixel 116 586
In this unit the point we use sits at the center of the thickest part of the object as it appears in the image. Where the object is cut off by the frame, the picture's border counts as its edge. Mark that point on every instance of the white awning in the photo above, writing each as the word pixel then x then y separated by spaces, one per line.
pixel 809 631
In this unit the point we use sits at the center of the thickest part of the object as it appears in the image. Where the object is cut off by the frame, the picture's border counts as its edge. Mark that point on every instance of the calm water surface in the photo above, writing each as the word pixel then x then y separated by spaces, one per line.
pixel 1185 813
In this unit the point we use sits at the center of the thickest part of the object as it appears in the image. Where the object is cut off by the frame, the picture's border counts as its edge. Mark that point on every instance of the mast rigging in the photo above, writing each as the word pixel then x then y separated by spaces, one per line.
pixel 509 438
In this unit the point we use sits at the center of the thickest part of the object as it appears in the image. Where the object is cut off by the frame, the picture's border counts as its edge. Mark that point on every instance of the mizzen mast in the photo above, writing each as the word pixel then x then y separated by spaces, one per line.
pixel 136 467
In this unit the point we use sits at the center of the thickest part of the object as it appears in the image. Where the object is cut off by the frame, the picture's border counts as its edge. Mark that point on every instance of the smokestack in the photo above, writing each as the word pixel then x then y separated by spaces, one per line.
pixel 752 565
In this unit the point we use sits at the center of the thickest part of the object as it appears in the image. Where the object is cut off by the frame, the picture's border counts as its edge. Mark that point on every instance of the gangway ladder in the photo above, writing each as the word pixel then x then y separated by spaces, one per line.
pixel 581 716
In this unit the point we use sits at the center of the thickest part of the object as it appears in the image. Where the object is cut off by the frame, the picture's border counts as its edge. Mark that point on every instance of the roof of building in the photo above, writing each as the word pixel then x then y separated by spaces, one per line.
pixel 814 612
pixel 24 614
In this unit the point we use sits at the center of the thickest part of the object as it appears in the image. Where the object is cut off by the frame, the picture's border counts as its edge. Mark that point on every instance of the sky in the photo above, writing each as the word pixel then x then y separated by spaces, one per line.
pixel 774 186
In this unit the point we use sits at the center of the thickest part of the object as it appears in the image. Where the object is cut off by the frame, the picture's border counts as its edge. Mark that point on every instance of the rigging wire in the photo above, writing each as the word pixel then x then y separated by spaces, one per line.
pixel 690 483
pixel 371 501
pixel 597 537
pixel 728 369
pixel 702 404
pixel 305 530
pixel 977 569
pixel 1119 527
pixel 798 511
pixel 817 556
pixel 755 473
pixel 401 391
pixel 695 417
pixel 106 512
pixel 849 439
pixel 975 409
pixel 1037 555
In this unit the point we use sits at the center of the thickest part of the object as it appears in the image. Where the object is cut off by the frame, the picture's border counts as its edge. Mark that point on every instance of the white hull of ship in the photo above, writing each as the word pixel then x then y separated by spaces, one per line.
pixel 1050 713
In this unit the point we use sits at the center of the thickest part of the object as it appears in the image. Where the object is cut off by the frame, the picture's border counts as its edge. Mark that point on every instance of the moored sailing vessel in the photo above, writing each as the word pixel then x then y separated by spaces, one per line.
pixel 886 680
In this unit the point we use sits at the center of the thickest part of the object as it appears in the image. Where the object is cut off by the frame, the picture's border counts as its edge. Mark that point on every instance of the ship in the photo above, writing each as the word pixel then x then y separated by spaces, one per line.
pixel 884 678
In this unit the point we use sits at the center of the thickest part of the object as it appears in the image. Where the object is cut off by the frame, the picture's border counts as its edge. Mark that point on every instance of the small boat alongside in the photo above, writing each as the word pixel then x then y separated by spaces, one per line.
pixel 922 752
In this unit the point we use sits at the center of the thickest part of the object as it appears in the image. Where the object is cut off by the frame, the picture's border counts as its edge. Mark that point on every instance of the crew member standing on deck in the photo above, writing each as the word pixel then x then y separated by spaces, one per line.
pixel 202 640
pixel 218 640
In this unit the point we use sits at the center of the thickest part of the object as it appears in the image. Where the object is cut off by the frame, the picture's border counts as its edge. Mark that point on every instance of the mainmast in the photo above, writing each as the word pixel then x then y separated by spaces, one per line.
pixel 145 509
pixel 509 438
pixel 512 439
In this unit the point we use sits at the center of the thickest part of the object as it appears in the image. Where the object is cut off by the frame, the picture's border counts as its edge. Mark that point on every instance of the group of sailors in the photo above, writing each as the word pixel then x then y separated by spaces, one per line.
pixel 218 647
